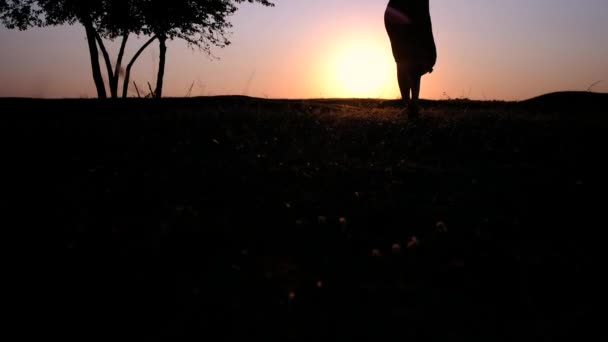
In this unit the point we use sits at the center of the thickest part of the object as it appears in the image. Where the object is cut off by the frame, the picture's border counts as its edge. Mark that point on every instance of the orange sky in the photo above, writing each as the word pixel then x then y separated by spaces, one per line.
pixel 488 49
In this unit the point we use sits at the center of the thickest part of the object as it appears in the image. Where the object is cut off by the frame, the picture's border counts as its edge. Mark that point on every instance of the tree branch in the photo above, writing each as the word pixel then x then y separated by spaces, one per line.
pixel 94 55
pixel 125 87
pixel 106 57
pixel 121 52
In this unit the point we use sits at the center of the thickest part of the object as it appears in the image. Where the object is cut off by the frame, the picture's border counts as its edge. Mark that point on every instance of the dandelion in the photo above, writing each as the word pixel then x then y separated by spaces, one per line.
pixel 396 248
pixel 413 242
pixel 441 227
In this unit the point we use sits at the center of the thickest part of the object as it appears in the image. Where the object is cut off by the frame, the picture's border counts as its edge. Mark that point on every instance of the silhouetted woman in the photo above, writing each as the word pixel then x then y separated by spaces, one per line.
pixel 409 27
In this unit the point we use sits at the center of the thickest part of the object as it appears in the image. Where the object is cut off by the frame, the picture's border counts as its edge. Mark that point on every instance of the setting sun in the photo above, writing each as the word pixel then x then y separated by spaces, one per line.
pixel 361 69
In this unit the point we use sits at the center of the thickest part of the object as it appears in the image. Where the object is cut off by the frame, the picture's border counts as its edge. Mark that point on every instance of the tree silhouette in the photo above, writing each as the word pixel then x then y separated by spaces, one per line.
pixel 94 15
pixel 201 23
pixel 120 19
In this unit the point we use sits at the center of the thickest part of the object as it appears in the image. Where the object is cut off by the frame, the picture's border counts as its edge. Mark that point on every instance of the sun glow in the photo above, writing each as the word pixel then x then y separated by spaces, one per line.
pixel 362 69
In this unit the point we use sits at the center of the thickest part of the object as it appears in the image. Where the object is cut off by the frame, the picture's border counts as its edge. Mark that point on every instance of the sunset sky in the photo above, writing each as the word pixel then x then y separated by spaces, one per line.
pixel 487 49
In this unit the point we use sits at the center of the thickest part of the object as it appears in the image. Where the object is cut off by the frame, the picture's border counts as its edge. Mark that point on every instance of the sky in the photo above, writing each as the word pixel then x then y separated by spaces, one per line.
pixel 487 50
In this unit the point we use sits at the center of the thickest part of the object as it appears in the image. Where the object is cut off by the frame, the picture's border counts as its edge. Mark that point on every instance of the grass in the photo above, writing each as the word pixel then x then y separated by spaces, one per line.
pixel 315 219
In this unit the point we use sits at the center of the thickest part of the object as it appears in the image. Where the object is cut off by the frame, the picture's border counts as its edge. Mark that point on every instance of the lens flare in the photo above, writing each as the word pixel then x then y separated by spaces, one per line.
pixel 361 69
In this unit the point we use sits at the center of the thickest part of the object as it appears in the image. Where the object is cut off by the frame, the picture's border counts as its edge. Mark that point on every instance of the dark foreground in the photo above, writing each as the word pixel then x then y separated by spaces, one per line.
pixel 242 219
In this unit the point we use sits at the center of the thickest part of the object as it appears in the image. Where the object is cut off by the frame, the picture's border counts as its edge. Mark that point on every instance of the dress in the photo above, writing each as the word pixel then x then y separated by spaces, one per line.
pixel 409 27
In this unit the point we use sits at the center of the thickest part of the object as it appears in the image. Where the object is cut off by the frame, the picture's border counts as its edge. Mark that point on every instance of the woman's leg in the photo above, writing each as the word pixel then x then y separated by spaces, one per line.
pixel 415 89
pixel 405 85
pixel 413 109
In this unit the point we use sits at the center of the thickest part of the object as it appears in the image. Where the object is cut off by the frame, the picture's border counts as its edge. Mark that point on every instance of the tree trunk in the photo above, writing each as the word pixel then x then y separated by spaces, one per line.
pixel 161 67
pixel 94 54
pixel 121 53
pixel 108 62
pixel 125 86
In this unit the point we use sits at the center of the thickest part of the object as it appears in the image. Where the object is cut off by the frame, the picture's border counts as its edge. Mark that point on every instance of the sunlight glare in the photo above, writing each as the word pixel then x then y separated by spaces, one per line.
pixel 361 70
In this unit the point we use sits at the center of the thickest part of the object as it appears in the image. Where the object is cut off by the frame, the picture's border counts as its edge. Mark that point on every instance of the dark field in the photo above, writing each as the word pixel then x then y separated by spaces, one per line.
pixel 243 219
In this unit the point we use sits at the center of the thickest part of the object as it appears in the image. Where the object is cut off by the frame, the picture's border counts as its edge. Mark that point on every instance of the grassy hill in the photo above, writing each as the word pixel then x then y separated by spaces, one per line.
pixel 313 219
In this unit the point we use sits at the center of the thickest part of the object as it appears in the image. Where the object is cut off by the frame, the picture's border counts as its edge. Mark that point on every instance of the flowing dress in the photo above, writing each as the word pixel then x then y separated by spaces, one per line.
pixel 409 27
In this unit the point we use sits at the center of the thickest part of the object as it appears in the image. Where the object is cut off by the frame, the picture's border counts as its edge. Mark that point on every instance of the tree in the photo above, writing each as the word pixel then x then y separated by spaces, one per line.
pixel 101 19
pixel 22 14
pixel 119 20
pixel 201 23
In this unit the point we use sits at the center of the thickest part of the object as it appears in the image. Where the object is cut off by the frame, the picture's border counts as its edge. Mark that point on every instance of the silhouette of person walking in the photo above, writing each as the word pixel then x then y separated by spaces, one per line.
pixel 409 27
